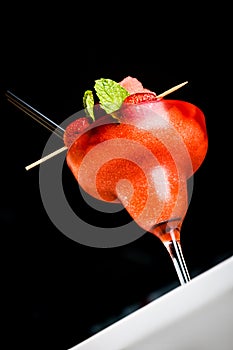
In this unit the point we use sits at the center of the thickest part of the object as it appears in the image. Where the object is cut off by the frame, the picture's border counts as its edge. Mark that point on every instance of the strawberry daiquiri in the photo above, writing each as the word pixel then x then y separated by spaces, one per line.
pixel 137 149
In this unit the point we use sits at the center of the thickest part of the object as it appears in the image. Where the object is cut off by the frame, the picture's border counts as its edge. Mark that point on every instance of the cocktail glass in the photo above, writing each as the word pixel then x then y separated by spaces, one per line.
pixel 141 157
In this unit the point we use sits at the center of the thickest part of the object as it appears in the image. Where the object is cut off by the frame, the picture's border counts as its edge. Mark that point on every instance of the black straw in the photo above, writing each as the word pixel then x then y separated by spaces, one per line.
pixel 36 115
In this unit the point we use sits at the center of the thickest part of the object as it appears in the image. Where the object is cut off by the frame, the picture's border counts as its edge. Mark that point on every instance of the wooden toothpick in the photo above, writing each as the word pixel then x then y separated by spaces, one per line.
pixel 62 149
pixel 174 88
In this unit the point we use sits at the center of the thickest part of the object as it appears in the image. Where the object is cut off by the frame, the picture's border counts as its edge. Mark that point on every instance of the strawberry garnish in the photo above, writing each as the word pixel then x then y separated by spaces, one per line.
pixel 140 97
pixel 74 129
pixel 111 96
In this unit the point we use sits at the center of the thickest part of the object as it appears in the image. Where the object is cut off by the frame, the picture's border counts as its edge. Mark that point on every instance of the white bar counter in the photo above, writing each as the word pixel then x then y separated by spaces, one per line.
pixel 196 316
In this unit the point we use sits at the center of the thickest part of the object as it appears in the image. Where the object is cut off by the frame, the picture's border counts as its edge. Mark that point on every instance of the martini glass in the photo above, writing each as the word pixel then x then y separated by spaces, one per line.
pixel 146 168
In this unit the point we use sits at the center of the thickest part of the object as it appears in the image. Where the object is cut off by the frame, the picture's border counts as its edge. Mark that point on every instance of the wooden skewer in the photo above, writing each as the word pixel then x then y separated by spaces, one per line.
pixel 174 88
pixel 62 149
pixel 46 157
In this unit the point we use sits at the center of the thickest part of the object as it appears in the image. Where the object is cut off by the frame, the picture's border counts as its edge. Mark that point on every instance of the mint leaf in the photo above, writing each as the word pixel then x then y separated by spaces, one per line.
pixel 111 94
pixel 88 103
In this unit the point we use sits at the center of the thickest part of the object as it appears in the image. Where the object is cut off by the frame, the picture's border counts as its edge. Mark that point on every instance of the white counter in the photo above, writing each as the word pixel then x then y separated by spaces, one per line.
pixel 196 316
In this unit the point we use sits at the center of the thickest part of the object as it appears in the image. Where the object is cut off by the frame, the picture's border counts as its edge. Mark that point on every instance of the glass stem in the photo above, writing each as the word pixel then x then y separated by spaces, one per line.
pixel 175 251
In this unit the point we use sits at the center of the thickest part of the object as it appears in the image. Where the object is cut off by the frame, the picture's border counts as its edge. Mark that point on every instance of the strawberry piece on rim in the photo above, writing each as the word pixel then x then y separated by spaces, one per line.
pixel 74 129
pixel 140 97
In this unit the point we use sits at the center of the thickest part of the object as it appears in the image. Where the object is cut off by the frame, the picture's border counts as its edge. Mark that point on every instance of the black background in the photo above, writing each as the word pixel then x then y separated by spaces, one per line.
pixel 57 292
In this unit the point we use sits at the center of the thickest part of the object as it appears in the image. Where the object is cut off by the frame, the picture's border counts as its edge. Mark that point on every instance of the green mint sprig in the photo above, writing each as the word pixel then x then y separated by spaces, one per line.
pixel 88 103
pixel 110 94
